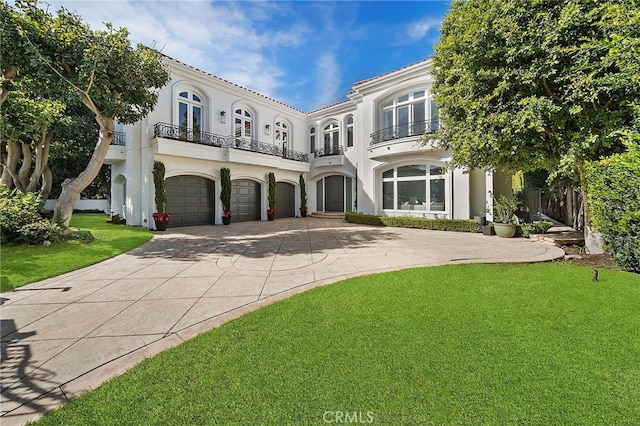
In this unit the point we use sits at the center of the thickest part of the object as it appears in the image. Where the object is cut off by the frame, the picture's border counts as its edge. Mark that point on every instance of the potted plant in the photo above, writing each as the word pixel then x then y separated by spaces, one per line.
pixel 504 216
pixel 160 217
pixel 303 197
pixel 271 211
pixel 225 194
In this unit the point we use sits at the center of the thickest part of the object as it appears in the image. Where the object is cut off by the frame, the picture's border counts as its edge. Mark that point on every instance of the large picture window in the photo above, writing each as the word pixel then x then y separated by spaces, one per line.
pixel 417 187
pixel 410 114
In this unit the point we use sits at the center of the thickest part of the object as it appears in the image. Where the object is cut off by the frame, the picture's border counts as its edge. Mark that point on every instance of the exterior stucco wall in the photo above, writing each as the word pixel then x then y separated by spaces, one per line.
pixel 363 163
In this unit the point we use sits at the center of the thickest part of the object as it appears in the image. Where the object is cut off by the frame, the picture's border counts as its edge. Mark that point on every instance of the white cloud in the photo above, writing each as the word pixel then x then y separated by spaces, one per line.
pixel 418 30
pixel 235 41
pixel 328 79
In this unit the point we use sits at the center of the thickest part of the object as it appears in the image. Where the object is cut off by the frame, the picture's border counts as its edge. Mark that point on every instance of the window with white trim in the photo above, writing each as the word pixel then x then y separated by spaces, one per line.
pixel 190 113
pixel 409 114
pixel 349 131
pixel 417 187
pixel 243 124
pixel 312 139
pixel 331 136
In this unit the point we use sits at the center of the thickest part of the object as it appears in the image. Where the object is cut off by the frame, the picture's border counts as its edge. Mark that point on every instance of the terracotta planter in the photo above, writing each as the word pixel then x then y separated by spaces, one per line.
pixel 161 226
pixel 505 230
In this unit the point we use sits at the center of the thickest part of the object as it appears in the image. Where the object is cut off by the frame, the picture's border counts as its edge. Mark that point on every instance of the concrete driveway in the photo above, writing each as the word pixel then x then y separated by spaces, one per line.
pixel 66 335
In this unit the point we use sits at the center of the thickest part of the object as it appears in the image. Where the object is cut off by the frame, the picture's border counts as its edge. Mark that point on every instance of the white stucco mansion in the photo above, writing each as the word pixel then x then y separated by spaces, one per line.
pixel 363 154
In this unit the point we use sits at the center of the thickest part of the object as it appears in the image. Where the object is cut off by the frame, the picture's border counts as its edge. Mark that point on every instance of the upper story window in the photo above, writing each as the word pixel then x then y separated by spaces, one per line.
pixel 282 132
pixel 410 114
pixel 331 136
pixel 350 131
pixel 243 124
pixel 190 111
pixel 312 139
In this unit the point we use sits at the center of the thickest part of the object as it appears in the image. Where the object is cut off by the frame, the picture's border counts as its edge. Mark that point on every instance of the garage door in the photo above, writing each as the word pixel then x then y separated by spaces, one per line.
pixel 190 200
pixel 245 200
pixel 286 202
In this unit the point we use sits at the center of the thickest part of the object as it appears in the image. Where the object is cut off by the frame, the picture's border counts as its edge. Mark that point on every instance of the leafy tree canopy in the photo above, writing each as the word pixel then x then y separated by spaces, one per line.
pixel 101 69
pixel 531 84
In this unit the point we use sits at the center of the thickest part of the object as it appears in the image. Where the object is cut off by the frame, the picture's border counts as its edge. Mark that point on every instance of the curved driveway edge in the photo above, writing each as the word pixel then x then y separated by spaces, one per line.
pixel 69 334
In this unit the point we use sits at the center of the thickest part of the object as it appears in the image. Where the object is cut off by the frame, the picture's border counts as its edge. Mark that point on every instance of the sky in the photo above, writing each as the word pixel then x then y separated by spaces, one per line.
pixel 306 54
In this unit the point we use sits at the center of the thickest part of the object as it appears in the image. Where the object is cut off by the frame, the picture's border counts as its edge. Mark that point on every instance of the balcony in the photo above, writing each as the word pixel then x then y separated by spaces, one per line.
pixel 328 156
pixel 117 148
pixel 119 139
pixel 408 130
pixel 403 139
pixel 168 131
pixel 328 151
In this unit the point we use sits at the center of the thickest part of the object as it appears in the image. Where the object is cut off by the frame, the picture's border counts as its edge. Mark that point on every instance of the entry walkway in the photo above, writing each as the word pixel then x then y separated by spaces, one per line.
pixel 66 335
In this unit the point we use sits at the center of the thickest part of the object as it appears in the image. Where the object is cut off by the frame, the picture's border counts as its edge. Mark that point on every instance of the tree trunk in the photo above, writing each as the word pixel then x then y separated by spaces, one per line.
pixel 569 206
pixel 25 168
pixel 11 163
pixel 593 240
pixel 42 161
pixel 71 188
pixel 47 183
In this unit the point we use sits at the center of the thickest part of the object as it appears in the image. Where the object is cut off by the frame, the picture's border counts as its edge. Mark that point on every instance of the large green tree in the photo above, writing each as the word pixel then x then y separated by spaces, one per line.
pixel 537 84
pixel 113 80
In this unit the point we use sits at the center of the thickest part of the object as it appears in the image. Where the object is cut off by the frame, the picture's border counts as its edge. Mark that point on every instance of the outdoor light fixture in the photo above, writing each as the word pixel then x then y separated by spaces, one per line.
pixel 267 129
pixel 223 116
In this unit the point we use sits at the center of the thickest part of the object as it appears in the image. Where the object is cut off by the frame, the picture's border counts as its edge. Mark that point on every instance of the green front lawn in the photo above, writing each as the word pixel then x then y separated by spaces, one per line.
pixel 22 264
pixel 469 344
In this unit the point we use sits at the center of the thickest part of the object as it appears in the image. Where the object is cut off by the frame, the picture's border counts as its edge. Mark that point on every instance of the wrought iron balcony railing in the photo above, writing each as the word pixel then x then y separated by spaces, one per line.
pixel 168 131
pixel 328 150
pixel 119 138
pixel 417 128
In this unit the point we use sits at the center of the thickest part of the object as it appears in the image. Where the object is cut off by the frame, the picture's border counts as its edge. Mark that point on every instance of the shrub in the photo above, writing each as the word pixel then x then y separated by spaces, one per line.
pixel 81 235
pixel 537 227
pixel 458 225
pixel 20 220
pixel 116 219
pixel 613 198
pixel 38 232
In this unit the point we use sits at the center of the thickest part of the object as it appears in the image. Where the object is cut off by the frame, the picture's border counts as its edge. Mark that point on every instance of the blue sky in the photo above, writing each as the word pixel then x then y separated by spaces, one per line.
pixel 306 54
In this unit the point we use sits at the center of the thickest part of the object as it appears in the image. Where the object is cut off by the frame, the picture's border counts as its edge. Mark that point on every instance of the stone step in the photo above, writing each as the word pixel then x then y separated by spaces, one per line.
pixel 328 215
pixel 560 238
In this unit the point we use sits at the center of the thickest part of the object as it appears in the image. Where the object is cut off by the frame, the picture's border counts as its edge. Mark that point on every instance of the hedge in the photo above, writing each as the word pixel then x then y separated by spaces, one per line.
pixel 613 198
pixel 458 225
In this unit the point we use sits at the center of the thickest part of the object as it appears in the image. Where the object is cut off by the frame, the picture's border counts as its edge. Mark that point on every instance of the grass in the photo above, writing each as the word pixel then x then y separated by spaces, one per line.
pixel 466 344
pixel 22 264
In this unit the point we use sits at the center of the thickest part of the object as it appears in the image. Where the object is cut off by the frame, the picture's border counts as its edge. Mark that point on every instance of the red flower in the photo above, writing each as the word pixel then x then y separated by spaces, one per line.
pixel 161 217
pixel 227 213
pixel 271 211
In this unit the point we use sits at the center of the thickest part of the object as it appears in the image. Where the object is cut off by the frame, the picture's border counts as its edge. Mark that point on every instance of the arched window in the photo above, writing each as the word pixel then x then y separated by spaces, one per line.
pixel 282 132
pixel 349 131
pixel 331 136
pixel 190 114
pixel 243 124
pixel 312 139
pixel 410 114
